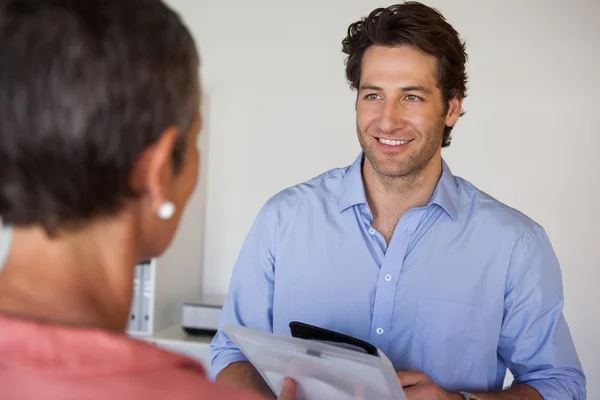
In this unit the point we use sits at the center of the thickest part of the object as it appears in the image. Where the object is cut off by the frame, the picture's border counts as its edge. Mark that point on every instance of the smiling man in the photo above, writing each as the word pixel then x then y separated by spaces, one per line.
pixel 454 286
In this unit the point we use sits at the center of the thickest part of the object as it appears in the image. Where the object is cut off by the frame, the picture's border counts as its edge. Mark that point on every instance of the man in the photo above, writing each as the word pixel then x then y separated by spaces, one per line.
pixel 452 285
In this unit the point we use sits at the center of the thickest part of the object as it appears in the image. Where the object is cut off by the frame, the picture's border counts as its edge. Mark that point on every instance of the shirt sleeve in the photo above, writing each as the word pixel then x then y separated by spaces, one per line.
pixel 249 300
pixel 535 342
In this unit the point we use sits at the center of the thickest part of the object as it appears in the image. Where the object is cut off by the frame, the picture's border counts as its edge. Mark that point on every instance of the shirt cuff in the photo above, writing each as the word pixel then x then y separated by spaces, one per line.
pixel 551 389
pixel 222 360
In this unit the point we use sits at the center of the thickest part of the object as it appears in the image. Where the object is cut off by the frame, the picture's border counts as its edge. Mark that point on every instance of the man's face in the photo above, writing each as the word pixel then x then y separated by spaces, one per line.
pixel 400 112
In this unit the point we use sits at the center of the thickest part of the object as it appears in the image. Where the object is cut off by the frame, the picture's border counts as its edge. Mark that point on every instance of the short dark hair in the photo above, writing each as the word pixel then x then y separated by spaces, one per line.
pixel 85 87
pixel 411 24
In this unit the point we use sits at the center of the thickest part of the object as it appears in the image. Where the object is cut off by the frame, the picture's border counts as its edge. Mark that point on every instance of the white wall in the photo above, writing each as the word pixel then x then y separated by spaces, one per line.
pixel 5 241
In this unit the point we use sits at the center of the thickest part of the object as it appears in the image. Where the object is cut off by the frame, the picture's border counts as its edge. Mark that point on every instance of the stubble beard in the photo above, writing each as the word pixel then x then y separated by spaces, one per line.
pixel 404 165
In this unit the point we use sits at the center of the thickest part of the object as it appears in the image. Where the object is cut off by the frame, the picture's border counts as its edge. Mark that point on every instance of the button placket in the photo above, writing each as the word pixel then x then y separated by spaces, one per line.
pixel 391 267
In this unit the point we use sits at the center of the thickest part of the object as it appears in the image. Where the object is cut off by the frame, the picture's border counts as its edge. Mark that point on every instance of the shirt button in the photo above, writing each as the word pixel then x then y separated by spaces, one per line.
pixel 379 331
pixel 372 231
pixel 387 278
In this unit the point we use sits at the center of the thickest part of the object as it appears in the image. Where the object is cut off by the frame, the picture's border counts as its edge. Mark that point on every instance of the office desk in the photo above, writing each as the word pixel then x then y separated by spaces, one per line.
pixel 176 340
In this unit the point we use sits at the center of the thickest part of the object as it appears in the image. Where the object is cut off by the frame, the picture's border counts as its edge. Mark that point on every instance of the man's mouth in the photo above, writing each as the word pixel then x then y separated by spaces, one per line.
pixel 390 142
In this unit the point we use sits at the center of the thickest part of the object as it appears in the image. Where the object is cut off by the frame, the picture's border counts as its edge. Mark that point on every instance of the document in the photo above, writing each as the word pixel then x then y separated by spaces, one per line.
pixel 327 369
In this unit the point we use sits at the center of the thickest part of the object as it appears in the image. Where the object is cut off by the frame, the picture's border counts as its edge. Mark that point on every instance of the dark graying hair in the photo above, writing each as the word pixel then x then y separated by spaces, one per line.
pixel 85 87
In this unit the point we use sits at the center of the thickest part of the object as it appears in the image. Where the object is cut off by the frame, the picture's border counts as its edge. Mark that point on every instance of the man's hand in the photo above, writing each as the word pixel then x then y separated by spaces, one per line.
pixel 417 386
pixel 288 391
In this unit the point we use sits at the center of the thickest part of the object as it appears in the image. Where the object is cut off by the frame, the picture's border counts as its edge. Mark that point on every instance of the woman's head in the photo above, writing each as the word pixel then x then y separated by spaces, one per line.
pixel 100 112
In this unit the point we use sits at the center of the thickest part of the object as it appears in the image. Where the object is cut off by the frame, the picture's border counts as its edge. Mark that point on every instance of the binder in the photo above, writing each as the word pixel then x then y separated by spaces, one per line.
pixel 324 364
pixel 134 314
pixel 147 291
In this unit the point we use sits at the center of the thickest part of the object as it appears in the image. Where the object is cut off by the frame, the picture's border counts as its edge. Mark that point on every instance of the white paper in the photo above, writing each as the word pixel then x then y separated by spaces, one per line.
pixel 321 371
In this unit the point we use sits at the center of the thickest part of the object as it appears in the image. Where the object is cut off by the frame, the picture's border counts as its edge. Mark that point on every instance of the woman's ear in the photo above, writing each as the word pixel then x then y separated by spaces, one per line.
pixel 153 170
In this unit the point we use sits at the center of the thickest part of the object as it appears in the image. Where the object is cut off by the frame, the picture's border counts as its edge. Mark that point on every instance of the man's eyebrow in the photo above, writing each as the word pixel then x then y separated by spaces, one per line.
pixel 412 88
pixel 370 87
pixel 416 88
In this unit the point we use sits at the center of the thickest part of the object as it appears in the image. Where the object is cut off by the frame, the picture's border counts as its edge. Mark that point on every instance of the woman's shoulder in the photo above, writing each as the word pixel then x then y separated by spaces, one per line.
pixel 96 364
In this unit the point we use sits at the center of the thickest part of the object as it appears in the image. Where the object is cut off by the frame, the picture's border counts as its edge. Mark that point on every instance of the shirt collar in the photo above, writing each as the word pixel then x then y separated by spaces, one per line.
pixel 353 188
pixel 446 194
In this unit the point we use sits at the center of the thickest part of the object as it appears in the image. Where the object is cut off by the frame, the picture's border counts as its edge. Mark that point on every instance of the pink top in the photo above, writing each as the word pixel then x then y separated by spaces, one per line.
pixel 44 361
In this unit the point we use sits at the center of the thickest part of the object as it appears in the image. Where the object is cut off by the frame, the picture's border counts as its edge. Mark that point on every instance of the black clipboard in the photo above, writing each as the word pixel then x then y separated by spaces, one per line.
pixel 311 332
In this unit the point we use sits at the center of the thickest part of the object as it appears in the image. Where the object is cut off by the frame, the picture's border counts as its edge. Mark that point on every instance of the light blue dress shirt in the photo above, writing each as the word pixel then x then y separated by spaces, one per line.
pixel 467 288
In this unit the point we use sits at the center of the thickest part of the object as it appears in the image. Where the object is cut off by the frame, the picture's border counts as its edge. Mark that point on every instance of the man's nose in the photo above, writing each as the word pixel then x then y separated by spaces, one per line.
pixel 392 117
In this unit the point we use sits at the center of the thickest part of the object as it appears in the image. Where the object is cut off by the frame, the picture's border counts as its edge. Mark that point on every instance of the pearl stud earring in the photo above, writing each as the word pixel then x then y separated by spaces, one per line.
pixel 166 210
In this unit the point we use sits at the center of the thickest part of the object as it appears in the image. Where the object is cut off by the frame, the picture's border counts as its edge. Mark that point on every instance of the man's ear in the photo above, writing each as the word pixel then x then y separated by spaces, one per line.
pixel 454 111
pixel 154 168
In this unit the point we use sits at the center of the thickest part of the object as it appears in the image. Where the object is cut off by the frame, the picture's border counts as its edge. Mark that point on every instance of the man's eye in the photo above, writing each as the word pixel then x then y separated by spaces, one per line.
pixel 413 98
pixel 372 96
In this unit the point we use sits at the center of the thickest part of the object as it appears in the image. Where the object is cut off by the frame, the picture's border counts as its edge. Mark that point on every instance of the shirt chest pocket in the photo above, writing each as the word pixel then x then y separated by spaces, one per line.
pixel 446 340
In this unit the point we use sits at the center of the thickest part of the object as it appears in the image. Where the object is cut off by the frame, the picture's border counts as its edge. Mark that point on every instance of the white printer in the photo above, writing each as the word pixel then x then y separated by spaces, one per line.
pixel 201 316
